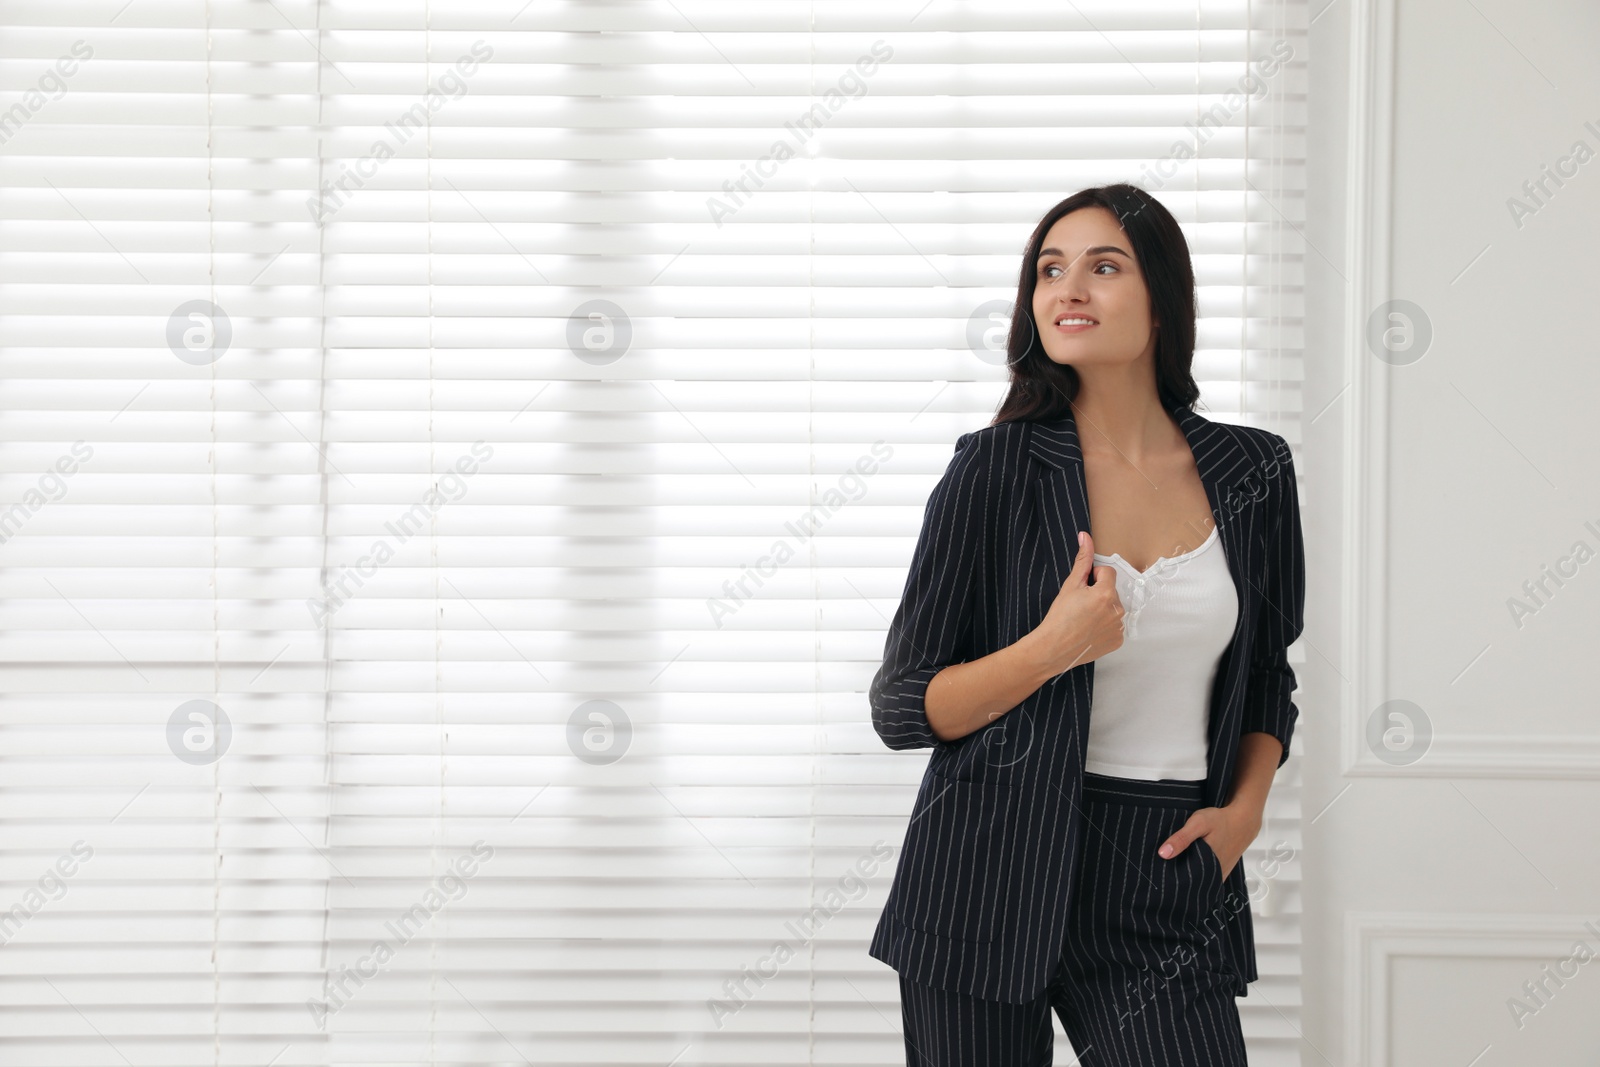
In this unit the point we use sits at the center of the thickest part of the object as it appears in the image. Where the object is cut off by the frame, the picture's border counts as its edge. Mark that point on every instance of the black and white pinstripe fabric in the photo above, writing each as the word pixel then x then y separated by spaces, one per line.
pixel 981 898
pixel 1143 979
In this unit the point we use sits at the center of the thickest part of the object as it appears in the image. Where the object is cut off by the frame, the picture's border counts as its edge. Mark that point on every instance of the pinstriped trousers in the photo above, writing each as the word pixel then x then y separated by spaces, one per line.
pixel 1144 979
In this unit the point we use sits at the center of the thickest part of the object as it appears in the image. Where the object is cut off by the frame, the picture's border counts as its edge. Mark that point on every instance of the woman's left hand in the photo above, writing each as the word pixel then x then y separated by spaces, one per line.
pixel 1228 830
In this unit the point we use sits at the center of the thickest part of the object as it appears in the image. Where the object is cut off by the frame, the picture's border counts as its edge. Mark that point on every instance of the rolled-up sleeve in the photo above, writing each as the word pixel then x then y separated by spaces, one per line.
pixel 1267 705
pixel 931 627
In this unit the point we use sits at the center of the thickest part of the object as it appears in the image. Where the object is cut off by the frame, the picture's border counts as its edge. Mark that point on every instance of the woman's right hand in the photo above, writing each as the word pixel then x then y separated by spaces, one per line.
pixel 1084 621
pixel 1083 624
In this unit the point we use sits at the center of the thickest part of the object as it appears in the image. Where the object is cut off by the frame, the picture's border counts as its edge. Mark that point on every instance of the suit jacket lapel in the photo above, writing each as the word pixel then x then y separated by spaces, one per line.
pixel 1061 503
pixel 1222 464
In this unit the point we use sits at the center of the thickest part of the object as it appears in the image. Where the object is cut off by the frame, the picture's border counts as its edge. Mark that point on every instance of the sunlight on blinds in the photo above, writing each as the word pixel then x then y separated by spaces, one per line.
pixel 459 465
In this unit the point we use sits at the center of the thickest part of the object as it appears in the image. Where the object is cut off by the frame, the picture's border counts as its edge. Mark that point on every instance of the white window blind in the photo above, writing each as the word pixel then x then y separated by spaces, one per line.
pixel 459 463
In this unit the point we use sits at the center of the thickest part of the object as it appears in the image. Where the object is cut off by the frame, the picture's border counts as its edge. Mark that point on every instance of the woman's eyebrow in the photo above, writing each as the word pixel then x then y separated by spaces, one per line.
pixel 1095 251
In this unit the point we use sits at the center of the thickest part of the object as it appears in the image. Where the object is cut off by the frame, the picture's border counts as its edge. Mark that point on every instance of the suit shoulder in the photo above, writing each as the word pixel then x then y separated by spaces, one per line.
pixel 988 456
pixel 1006 438
pixel 1270 454
pixel 1261 445
pixel 1275 447
pixel 1248 435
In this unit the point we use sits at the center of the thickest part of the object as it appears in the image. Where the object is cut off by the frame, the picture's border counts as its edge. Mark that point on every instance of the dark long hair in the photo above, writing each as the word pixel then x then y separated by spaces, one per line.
pixel 1043 389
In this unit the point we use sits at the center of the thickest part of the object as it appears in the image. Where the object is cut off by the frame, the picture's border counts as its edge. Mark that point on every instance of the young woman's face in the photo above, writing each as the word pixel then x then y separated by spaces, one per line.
pixel 1086 269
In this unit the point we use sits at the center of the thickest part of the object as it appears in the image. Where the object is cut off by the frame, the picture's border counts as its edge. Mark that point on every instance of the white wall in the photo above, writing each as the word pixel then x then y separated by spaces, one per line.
pixel 1436 886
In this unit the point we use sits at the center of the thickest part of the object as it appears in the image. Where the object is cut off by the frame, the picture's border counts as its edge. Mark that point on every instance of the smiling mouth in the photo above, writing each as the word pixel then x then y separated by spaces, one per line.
pixel 1075 322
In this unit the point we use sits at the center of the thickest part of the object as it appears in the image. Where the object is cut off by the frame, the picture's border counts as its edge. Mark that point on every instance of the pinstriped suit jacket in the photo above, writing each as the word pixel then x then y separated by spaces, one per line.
pixel 979 900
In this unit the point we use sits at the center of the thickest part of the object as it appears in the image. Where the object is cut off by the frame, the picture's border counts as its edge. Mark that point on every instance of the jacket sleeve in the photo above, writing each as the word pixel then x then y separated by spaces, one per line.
pixel 1267 704
pixel 931 627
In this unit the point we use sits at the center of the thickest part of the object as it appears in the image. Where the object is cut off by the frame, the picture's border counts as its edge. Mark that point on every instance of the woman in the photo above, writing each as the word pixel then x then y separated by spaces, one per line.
pixel 1054 861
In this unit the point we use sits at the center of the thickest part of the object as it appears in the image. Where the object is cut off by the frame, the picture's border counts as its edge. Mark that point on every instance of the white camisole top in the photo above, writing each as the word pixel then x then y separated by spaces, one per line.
pixel 1152 696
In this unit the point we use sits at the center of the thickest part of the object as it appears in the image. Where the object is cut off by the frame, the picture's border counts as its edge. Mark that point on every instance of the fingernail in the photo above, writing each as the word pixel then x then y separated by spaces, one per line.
pixel 1080 538
pixel 1166 851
